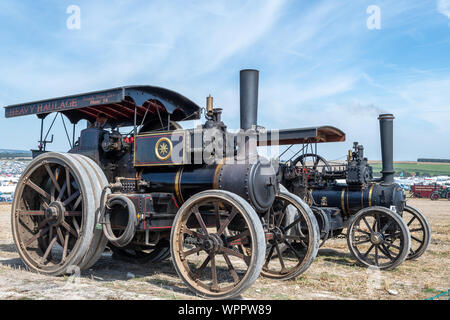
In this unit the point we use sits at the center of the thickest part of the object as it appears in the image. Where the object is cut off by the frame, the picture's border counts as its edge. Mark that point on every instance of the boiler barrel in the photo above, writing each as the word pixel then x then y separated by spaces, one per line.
pixel 351 200
pixel 254 182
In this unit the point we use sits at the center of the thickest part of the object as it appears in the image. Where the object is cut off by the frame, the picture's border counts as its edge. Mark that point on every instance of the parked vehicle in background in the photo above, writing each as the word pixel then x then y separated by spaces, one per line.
pixel 432 191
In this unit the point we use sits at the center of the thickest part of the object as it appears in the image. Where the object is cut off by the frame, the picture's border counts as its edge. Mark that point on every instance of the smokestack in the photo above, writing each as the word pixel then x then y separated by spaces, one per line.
pixel 249 98
pixel 387 147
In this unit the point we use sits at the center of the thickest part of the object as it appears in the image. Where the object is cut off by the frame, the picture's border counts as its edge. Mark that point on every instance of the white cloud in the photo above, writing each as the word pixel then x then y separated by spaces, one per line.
pixel 443 6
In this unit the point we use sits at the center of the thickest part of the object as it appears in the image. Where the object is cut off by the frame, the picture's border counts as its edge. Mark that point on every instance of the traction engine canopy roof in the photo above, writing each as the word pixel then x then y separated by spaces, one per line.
pixel 117 104
pixel 301 135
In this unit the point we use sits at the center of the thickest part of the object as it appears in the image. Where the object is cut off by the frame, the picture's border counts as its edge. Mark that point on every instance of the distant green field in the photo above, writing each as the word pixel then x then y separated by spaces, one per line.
pixel 419 168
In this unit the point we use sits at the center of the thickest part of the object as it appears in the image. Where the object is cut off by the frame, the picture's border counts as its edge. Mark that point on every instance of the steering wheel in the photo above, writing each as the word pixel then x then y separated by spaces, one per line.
pixel 306 159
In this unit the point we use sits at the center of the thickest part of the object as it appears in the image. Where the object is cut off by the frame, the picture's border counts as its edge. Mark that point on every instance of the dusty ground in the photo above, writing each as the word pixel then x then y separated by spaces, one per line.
pixel 333 275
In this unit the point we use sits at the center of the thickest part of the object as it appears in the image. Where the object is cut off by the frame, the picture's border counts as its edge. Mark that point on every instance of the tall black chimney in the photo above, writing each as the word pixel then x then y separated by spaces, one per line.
pixel 387 147
pixel 249 98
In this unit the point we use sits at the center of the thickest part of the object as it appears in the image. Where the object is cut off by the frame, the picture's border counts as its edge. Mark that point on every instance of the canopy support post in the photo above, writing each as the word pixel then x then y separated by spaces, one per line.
pixel 42 134
pixel 135 120
pixel 73 135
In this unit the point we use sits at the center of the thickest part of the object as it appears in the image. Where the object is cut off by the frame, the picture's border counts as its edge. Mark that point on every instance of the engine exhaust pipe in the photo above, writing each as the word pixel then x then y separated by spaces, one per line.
pixel 387 148
pixel 249 79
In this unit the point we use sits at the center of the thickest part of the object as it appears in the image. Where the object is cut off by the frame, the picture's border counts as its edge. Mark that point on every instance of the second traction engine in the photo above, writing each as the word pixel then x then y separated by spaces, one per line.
pixel 379 224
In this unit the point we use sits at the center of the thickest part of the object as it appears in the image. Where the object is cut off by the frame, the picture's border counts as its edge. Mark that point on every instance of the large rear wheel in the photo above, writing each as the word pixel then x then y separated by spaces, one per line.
pixel 53 214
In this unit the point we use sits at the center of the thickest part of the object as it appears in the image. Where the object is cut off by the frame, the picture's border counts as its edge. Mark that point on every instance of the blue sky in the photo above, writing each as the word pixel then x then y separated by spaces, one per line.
pixel 319 63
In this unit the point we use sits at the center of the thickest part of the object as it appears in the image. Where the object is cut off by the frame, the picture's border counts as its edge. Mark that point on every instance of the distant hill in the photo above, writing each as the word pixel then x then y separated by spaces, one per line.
pixel 409 168
pixel 10 153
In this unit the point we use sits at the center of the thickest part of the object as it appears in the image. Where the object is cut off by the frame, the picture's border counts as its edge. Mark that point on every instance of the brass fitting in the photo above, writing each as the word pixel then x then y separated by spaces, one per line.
pixel 209 105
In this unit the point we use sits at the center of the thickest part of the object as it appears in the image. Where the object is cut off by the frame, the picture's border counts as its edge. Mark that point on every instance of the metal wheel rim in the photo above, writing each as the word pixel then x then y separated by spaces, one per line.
pixel 179 257
pixel 419 230
pixel 364 227
pixel 291 240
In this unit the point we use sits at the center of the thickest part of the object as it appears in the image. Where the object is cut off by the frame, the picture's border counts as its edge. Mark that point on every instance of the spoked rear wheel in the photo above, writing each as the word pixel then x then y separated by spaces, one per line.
pixel 53 214
pixel 215 228
pixel 378 237
pixel 420 231
pixel 293 237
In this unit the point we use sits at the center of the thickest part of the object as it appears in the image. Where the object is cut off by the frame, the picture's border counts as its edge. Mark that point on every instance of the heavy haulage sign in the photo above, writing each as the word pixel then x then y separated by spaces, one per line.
pixel 54 105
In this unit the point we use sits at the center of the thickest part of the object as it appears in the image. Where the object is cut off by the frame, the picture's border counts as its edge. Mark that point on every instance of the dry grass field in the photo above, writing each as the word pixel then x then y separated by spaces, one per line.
pixel 333 275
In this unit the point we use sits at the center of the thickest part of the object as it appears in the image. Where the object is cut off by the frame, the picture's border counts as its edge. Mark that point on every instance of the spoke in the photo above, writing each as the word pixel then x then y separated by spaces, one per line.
pixel 47 252
pixel 52 177
pixel 72 213
pixel 69 228
pixel 386 252
pixel 203 266
pixel 37 235
pixel 227 222
pixel 367 252
pixel 215 284
pixel 418 240
pixel 392 245
pixel 30 213
pixel 77 203
pixel 200 220
pixel 69 189
pixel 61 192
pixel 37 189
pixel 60 236
pixel 42 223
pixel 376 223
pixel 52 193
pixel 71 198
pixel 194 233
pixel 361 242
pixel 66 243
pixel 280 257
pixel 362 231
pixel 416 230
pixel 234 253
pixel 376 256
pixel 410 221
pixel 367 224
pixel 216 207
pixel 189 252
pixel 295 251
pixel 316 162
pixel 44 204
pixel 293 223
pixel 231 268
pixel 283 213
pixel 75 224
pixel 269 255
pixel 238 236
pixel 50 234
pixel 386 226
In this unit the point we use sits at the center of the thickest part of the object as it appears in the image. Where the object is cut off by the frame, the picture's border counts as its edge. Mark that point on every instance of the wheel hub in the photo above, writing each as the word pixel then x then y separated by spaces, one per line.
pixel 376 238
pixel 278 235
pixel 213 243
pixel 55 213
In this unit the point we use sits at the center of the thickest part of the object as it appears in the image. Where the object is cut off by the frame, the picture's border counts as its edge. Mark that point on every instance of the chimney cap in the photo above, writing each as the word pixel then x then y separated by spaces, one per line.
pixel 386 116
pixel 245 70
